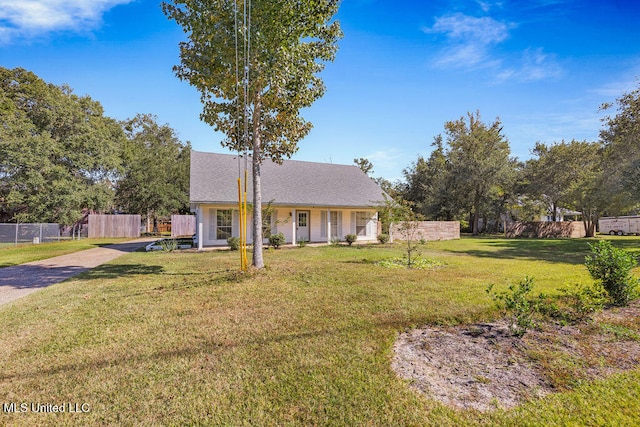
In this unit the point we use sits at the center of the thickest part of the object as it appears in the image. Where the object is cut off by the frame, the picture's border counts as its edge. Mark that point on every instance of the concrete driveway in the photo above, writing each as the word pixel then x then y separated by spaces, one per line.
pixel 20 280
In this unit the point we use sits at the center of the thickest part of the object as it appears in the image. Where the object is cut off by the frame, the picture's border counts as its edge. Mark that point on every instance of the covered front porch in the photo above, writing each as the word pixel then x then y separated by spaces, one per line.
pixel 216 223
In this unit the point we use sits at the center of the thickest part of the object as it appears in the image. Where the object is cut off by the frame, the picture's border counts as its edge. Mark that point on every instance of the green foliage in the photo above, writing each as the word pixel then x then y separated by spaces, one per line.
pixel 621 137
pixel 383 238
pixel 302 242
pixel 350 239
pixel 620 332
pixel 364 164
pixel 430 185
pixel 569 175
pixel 584 300
pixel 277 240
pixel 417 263
pixel 290 42
pixel 405 222
pixel 479 165
pixel 234 243
pixel 517 305
pixel 335 241
pixel 59 154
pixel 612 267
pixel 156 169
pixel 168 245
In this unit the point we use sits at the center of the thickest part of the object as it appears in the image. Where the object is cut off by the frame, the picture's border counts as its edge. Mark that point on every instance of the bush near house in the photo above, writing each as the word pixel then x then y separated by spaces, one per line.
pixel 350 239
pixel 277 240
pixel 234 243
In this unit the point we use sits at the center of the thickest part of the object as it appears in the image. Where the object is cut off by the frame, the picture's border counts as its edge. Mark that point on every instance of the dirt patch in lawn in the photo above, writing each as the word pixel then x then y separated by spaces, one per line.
pixel 484 367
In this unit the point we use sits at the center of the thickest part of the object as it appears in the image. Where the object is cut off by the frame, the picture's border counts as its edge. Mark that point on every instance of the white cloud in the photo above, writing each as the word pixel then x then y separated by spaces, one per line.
pixel 469 29
pixel 472 44
pixel 20 18
pixel 534 65
pixel 486 6
pixel 470 39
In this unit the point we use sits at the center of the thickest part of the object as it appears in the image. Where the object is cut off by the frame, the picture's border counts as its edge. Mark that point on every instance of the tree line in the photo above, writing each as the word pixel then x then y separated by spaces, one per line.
pixel 60 157
pixel 471 176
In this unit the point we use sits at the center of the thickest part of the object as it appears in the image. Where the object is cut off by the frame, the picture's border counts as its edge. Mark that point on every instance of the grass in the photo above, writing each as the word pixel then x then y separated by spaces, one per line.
pixel 14 255
pixel 183 338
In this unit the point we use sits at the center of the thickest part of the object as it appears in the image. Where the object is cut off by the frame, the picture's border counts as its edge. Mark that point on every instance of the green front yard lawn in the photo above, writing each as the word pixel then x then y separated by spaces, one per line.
pixel 182 338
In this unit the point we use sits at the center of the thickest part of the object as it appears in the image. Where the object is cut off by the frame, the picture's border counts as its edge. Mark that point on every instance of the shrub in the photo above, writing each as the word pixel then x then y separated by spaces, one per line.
pixel 234 243
pixel 517 306
pixel 383 238
pixel 585 300
pixel 335 241
pixel 350 238
pixel 169 245
pixel 611 267
pixel 277 240
pixel 302 242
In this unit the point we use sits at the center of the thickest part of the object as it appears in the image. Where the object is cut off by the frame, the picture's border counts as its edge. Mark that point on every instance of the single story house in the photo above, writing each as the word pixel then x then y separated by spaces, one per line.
pixel 314 202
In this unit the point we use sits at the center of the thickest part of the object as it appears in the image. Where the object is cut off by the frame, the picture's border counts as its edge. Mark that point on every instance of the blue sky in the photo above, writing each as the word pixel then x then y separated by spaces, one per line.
pixel 403 69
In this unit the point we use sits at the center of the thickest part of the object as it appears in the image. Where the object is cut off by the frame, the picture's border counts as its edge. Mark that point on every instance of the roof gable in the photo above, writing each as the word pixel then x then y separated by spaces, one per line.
pixel 294 183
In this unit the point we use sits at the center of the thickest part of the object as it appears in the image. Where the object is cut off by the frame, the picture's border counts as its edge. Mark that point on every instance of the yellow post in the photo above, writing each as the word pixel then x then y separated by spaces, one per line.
pixel 240 209
pixel 244 248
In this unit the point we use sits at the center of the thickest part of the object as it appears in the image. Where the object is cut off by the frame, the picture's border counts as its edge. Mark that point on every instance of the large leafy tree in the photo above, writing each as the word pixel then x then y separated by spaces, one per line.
pixel 549 175
pixel 621 136
pixel 570 174
pixel 587 188
pixel 155 181
pixel 479 162
pixel 289 42
pixel 429 185
pixel 58 153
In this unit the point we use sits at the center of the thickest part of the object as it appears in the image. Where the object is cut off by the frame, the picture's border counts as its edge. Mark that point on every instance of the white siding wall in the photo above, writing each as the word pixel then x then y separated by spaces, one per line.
pixel 284 222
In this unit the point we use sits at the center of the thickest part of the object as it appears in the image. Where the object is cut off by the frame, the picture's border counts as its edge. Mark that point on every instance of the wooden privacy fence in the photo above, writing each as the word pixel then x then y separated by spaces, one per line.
pixel 183 225
pixel 430 230
pixel 545 229
pixel 101 226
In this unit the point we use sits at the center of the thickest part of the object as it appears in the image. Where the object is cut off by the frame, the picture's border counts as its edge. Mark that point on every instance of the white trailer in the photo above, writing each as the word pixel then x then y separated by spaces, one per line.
pixel 619 225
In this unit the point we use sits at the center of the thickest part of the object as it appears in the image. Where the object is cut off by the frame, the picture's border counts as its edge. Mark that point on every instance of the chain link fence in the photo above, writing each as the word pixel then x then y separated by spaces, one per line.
pixel 29 233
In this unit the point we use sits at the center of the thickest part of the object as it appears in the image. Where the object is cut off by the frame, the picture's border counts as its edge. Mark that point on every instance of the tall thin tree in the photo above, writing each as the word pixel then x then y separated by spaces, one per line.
pixel 288 43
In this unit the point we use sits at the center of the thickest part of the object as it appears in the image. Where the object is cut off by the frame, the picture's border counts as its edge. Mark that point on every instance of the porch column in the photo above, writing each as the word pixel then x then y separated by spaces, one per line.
pixel 199 235
pixel 294 226
pixel 328 225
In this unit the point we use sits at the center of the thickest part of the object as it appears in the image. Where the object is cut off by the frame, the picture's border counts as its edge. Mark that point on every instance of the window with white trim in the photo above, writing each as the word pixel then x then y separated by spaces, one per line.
pixel 224 224
pixel 333 216
pixel 362 218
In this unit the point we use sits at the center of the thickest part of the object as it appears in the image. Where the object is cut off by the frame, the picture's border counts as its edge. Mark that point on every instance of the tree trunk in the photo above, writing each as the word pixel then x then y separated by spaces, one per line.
pixel 589 222
pixel 258 259
pixel 476 216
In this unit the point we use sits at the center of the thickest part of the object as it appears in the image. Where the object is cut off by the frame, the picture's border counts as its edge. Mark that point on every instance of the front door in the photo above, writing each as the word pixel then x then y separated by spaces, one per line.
pixel 302 231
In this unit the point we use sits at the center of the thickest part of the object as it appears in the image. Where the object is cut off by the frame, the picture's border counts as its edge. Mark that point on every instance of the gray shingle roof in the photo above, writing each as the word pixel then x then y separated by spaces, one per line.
pixel 294 183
